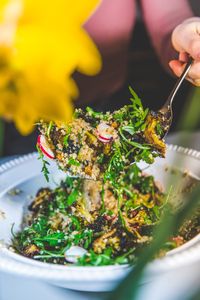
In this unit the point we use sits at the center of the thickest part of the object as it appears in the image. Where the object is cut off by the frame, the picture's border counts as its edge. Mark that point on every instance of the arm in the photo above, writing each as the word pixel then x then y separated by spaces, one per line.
pixel 161 18
pixel 111 28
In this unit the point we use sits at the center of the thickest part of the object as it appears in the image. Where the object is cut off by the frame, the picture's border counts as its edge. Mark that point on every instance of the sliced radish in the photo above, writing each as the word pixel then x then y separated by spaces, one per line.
pixel 44 146
pixel 74 253
pixel 103 139
pixel 104 132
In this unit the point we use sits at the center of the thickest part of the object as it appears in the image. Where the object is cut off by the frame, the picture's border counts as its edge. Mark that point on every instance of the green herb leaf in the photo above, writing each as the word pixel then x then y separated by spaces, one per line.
pixel 45 163
pixel 73 162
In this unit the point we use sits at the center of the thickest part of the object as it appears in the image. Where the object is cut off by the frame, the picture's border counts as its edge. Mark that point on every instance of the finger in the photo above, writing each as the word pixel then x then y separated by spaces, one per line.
pixel 183 57
pixel 194 71
pixel 197 82
pixel 193 75
pixel 186 38
pixel 194 82
pixel 177 67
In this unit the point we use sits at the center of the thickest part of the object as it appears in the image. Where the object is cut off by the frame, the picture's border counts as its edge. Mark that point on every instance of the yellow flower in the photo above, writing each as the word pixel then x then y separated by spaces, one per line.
pixel 45 44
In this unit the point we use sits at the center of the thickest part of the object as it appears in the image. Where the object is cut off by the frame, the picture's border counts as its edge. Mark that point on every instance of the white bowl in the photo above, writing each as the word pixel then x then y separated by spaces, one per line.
pixel 24 174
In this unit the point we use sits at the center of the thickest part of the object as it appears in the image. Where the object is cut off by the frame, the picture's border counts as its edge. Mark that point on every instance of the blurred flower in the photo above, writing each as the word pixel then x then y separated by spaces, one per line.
pixel 42 43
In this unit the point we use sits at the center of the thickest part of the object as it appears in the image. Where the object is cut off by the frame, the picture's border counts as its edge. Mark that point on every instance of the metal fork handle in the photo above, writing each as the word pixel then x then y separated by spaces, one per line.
pixel 171 96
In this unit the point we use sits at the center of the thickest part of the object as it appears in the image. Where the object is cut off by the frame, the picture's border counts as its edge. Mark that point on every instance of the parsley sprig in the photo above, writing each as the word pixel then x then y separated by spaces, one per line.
pixel 45 163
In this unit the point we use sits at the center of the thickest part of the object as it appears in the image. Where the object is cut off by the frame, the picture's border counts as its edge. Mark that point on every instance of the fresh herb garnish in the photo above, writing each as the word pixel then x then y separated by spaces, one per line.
pixel 49 128
pixel 73 162
pixel 65 139
pixel 108 217
pixel 45 164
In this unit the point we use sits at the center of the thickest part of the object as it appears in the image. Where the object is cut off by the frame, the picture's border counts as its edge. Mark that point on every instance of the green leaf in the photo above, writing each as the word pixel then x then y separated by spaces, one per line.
pixel 75 222
pixel 73 162
pixel 65 139
pixel 52 239
pixel 72 197
pixel 130 129
pixel 49 128
pixel 159 129
pixel 45 163
pixel 93 113
pixel 135 144
pixel 135 96
pixel 170 224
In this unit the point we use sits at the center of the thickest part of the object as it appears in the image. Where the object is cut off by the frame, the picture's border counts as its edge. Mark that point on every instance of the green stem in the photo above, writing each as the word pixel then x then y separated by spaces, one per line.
pixel 134 144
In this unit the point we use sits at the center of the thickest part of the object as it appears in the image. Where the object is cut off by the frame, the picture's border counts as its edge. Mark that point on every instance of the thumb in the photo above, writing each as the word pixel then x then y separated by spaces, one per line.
pixel 186 37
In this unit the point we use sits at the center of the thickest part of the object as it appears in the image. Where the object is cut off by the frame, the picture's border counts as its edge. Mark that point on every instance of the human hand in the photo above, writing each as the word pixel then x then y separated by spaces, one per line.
pixel 186 40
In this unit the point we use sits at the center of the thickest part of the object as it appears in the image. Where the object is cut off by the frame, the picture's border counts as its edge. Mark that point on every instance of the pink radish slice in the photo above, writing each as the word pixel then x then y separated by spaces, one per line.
pixel 104 140
pixel 103 134
pixel 44 146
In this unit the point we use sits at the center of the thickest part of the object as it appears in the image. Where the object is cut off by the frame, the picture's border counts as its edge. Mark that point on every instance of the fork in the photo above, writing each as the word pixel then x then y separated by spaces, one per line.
pixel 166 112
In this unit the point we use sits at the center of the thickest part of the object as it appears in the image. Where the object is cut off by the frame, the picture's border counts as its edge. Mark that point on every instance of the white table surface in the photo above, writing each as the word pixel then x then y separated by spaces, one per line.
pixel 177 285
